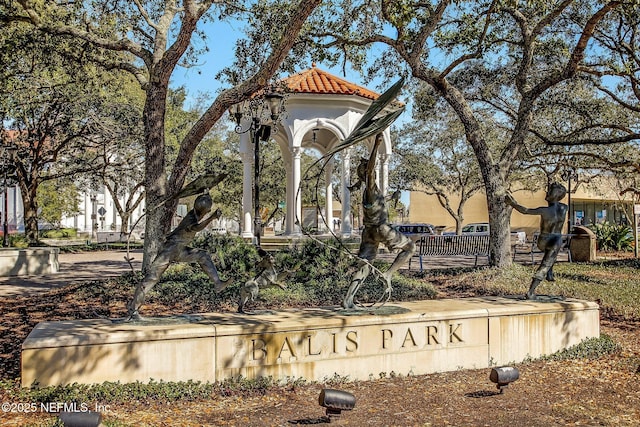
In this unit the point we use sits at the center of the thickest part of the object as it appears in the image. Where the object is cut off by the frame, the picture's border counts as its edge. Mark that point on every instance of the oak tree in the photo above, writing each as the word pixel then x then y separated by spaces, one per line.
pixel 529 47
pixel 150 39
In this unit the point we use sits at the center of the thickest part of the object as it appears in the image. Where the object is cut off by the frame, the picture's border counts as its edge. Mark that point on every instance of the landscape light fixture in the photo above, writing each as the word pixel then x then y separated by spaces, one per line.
pixel 80 419
pixel 336 401
pixel 263 113
pixel 503 376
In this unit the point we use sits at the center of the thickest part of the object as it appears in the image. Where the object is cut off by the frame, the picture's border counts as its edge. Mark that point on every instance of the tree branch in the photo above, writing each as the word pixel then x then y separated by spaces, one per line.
pixel 479 46
pixel 121 45
pixel 145 15
pixel 577 55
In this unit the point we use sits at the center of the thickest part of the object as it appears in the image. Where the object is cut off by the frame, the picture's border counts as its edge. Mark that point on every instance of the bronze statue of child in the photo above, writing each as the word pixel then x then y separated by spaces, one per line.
pixel 267 278
pixel 377 229
pixel 552 218
pixel 176 249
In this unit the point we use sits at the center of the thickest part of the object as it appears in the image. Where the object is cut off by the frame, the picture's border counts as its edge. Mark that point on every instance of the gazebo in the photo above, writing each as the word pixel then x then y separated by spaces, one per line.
pixel 322 110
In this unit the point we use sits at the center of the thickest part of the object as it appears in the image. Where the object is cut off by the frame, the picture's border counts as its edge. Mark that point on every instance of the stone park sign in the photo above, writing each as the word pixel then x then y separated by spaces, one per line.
pixel 412 338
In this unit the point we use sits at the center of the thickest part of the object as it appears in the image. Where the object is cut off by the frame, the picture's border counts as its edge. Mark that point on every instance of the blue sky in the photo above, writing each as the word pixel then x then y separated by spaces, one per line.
pixel 201 78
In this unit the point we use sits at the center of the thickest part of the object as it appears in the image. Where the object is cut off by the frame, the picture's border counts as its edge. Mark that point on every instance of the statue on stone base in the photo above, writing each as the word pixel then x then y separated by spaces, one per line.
pixel 267 278
pixel 376 230
pixel 552 220
pixel 380 114
pixel 176 249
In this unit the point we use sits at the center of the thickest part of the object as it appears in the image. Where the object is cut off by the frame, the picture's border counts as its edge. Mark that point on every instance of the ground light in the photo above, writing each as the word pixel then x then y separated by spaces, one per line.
pixel 80 419
pixel 336 401
pixel 503 376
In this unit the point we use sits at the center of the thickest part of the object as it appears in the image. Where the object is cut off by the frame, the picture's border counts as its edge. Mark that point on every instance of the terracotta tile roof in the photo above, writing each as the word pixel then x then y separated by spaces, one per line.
pixel 10 134
pixel 315 80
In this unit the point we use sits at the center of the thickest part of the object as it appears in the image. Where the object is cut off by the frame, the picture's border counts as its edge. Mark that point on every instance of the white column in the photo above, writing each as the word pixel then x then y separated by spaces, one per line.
pixel 290 207
pixel 384 173
pixel 247 192
pixel 346 226
pixel 87 212
pixel 328 215
pixel 296 153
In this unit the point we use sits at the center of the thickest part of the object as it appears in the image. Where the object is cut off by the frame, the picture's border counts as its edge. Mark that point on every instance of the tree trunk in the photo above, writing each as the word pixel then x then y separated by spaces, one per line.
pixel 494 182
pixel 125 216
pixel 30 205
pixel 499 224
pixel 155 177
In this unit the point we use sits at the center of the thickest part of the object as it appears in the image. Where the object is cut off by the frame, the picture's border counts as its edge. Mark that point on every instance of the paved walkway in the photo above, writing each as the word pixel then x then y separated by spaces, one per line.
pixel 74 267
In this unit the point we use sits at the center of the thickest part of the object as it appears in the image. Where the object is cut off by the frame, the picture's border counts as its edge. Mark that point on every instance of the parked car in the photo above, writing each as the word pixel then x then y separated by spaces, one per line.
pixel 476 228
pixel 517 237
pixel 414 231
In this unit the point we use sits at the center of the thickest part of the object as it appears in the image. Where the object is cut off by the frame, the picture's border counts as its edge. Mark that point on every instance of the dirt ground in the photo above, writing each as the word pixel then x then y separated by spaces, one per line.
pixel 591 392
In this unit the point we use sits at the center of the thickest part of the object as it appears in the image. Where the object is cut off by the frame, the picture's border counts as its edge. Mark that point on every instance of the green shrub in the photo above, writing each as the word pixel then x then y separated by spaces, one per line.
pixel 590 348
pixel 613 237
pixel 18 241
pixel 59 233
pixel 319 274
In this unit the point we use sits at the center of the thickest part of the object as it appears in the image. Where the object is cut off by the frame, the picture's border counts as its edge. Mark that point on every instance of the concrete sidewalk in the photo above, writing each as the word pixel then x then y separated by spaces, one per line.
pixel 74 267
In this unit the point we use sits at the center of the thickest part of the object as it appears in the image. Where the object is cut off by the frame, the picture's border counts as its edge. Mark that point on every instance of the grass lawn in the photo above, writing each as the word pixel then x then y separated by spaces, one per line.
pixel 614 284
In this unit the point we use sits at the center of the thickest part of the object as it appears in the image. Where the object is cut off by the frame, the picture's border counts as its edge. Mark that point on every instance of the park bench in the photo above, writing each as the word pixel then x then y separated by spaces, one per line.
pixel 456 245
pixel 107 238
pixel 111 237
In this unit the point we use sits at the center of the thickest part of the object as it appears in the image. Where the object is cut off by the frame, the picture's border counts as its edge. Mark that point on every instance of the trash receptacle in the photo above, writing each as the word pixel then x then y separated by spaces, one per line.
pixel 583 244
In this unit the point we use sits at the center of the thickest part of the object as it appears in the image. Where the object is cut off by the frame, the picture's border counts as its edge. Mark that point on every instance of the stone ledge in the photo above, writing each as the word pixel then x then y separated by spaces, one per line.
pixel 413 338
pixel 29 261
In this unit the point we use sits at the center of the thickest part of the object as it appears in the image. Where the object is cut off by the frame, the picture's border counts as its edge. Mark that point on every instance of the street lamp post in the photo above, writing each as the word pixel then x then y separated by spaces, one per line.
pixel 8 152
pixel 271 105
pixel 569 174
pixel 94 215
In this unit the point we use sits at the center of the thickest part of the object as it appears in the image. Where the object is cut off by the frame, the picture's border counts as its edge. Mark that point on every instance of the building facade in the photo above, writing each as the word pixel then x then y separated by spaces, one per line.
pixel 595 203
